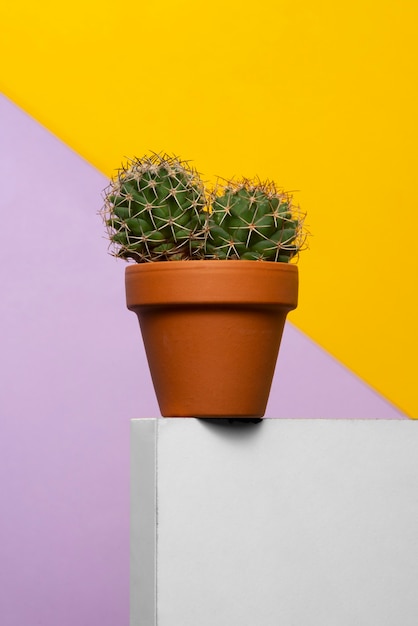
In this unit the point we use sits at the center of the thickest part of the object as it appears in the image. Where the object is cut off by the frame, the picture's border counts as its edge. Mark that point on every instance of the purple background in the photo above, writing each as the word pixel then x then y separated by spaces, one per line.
pixel 73 373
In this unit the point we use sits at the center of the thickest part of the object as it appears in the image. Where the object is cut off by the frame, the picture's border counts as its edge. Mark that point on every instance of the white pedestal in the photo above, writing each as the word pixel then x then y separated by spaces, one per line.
pixel 281 523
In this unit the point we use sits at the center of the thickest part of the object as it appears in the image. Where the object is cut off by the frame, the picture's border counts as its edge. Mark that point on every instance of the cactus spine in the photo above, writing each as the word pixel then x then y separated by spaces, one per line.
pixel 253 220
pixel 154 210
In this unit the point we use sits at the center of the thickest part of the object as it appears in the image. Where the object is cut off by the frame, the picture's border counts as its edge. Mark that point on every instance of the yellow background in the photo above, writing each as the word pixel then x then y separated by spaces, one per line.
pixel 319 96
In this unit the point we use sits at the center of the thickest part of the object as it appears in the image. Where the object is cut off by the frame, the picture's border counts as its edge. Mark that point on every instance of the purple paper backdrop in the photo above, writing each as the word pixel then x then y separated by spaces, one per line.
pixel 73 373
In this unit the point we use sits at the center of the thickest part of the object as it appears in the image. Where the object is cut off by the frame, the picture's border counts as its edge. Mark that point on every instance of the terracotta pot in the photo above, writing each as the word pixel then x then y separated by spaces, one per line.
pixel 212 332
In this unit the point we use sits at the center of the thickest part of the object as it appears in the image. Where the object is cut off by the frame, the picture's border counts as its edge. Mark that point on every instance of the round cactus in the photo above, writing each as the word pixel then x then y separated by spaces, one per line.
pixel 154 210
pixel 253 220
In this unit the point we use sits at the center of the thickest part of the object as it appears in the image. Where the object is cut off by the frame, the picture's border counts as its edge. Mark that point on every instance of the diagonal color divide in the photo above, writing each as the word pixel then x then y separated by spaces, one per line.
pixel 62 266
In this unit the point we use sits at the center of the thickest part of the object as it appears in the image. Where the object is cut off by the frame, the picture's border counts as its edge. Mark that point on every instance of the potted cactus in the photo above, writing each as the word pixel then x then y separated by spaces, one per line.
pixel 210 281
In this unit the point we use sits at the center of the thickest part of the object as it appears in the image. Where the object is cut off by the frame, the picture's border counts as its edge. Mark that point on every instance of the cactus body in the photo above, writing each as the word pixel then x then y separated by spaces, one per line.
pixel 154 210
pixel 252 220
pixel 157 209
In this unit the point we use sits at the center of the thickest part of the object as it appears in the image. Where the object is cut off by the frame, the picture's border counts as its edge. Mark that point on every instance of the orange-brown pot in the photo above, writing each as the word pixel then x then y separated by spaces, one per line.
pixel 212 332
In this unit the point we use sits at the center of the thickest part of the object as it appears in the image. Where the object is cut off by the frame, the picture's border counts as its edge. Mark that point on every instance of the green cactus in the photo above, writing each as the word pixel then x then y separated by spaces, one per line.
pixel 157 209
pixel 253 220
pixel 154 210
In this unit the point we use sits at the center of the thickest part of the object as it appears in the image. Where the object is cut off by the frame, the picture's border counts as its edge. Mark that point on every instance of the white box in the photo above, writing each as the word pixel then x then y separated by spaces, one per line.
pixel 281 523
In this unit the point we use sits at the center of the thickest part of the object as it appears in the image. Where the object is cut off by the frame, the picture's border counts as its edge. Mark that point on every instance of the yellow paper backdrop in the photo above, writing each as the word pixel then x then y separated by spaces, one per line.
pixel 320 96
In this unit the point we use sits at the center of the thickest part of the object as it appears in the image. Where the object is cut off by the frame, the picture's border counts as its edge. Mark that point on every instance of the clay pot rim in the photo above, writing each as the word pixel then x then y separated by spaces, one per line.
pixel 212 264
pixel 212 282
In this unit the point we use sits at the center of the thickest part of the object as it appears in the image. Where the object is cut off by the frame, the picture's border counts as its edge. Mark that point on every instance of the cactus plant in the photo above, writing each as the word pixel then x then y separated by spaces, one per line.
pixel 157 209
pixel 253 220
pixel 154 210
pixel 208 302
